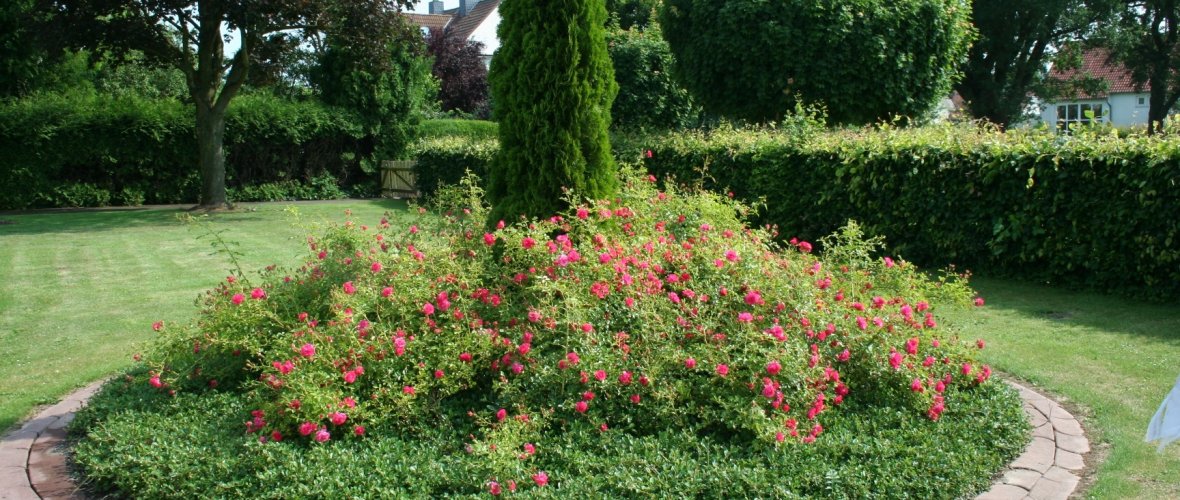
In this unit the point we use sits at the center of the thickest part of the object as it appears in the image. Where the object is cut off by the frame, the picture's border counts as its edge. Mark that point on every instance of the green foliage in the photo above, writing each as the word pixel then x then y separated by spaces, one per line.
pixel 632 14
pixel 864 60
pixel 648 96
pixel 552 85
pixel 651 329
pixel 388 94
pixel 449 127
pixel 95 151
pixel 1092 211
pixel 133 76
pixel 447 160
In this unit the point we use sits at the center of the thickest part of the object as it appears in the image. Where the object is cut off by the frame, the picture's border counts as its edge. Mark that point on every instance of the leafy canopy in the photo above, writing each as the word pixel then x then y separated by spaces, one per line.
pixel 865 60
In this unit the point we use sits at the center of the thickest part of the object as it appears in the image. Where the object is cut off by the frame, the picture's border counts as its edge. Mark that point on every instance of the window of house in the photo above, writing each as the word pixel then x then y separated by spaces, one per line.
pixel 1083 114
pixel 1141 101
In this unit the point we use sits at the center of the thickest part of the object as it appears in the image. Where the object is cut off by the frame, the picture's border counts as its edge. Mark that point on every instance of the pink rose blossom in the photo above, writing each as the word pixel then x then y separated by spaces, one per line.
pixel 307 351
pixel 690 363
pixel 428 309
pixel 349 288
pixel 306 428
pixel 409 389
pixel 581 406
pixel 541 478
pixel 238 298
pixel 600 375
pixel 338 418
pixel 501 414
pixel 157 326
pixel 359 430
pixel 722 369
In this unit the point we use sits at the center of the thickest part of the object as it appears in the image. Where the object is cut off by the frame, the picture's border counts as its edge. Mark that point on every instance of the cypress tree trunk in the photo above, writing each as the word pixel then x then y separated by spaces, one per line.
pixel 552 84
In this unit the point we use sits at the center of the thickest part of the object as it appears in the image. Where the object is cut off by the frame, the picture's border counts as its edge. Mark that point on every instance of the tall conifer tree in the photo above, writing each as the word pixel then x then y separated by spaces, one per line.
pixel 552 87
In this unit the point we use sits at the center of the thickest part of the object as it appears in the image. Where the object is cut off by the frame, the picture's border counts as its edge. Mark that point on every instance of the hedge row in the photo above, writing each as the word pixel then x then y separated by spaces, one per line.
pixel 122 151
pixel 1094 212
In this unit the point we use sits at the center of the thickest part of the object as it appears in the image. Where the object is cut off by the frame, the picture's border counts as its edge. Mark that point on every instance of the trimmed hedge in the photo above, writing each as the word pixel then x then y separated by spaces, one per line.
pixel 1088 211
pixel 445 160
pixel 454 127
pixel 1093 212
pixel 124 151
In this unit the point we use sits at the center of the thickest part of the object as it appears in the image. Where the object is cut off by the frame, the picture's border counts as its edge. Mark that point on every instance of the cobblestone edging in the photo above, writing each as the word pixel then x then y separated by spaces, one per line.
pixel 33 465
pixel 1049 467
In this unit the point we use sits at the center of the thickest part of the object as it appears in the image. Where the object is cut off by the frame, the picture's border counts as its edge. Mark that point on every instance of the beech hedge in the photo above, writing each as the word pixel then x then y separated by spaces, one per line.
pixel 1087 211
pixel 95 151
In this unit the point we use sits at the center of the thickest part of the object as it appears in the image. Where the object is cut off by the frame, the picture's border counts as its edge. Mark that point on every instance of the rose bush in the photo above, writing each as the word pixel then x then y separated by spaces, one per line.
pixel 656 310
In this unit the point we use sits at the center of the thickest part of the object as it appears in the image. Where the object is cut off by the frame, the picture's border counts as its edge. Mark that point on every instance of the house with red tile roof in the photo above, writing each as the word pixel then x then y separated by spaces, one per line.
pixel 1122 104
pixel 473 20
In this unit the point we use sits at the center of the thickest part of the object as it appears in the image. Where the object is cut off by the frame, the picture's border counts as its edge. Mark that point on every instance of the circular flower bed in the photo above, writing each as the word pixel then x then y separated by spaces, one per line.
pixel 650 344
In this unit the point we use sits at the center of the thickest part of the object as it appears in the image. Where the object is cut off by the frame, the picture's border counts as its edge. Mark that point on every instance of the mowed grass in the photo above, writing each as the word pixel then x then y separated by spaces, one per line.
pixel 80 290
pixel 1111 359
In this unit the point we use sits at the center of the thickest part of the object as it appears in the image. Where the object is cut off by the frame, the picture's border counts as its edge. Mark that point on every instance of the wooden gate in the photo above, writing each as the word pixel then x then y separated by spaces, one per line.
pixel 398 180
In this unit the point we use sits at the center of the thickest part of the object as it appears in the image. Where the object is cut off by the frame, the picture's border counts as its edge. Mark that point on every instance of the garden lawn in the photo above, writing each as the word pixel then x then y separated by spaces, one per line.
pixel 1112 360
pixel 80 290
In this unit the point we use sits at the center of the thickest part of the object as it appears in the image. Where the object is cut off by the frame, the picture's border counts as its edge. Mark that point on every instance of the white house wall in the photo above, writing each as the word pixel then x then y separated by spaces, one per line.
pixel 486 33
pixel 1123 108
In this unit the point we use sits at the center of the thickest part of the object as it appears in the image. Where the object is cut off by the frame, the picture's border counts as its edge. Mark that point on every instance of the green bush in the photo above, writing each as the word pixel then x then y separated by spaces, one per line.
pixel 94 151
pixel 648 96
pixel 864 60
pixel 429 357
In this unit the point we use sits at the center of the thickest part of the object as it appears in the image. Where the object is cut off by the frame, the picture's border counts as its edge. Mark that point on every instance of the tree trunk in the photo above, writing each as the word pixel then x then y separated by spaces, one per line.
pixel 211 157
pixel 1157 109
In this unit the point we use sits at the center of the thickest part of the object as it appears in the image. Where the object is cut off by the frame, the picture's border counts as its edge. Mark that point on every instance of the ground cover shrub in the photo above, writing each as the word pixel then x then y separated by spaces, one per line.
pixel 622 348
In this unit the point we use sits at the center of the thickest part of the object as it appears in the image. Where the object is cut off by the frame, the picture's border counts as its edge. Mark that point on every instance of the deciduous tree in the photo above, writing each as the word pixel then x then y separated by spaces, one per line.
pixel 1146 38
pixel 191 35
pixel 1007 63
